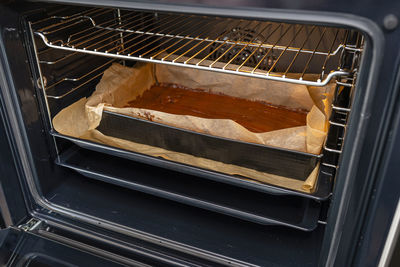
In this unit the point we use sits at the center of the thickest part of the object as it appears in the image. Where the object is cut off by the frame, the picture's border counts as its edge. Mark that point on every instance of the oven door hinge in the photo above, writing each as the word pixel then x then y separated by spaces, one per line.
pixel 30 225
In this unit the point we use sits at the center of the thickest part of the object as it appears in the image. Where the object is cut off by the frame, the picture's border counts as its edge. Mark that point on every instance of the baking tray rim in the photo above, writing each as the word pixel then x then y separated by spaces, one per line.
pixel 285 150
pixel 308 223
pixel 319 193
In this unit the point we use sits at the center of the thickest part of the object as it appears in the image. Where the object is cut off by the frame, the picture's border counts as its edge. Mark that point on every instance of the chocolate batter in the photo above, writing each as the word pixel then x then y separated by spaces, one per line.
pixel 256 116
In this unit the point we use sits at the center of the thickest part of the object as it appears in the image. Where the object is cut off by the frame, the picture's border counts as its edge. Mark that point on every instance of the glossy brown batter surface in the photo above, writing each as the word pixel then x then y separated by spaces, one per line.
pixel 254 115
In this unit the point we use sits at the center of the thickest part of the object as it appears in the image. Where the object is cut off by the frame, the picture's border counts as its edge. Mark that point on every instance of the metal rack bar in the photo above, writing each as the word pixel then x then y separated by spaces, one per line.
pixel 263 45
pixel 79 18
pixel 137 36
pixel 270 49
pixel 75 88
pixel 243 73
pixel 104 33
pixel 329 55
pixel 343 124
pixel 244 47
pixel 229 42
pixel 77 79
pixel 204 48
pixel 214 50
pixel 187 43
pixel 166 41
pixel 176 22
pixel 342 83
pixel 199 43
pixel 110 39
pixel 227 50
pixel 312 55
pixel 340 108
pixel 283 51
pixel 57 60
pixel 255 49
pixel 188 40
pixel 71 40
pixel 298 52
pixel 87 75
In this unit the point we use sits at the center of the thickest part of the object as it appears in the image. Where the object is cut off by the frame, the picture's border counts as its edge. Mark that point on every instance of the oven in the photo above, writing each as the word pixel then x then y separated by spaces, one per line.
pixel 96 181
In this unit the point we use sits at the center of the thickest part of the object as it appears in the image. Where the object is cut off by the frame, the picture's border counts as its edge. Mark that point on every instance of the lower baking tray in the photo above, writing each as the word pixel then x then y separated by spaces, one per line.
pixel 273 160
pixel 267 209
pixel 322 191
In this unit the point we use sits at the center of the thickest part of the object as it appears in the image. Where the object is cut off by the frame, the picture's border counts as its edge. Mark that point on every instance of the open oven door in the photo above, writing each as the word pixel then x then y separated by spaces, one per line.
pixel 19 247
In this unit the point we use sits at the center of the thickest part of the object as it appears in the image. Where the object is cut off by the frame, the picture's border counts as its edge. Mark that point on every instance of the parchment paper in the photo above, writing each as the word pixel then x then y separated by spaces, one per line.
pixel 72 121
pixel 120 84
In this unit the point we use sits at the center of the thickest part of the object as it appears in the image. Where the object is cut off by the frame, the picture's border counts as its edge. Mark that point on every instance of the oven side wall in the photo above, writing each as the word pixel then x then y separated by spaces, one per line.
pixel 15 201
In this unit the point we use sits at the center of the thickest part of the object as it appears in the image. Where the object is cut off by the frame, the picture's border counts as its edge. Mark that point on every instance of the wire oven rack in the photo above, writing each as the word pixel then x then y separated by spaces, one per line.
pixel 302 54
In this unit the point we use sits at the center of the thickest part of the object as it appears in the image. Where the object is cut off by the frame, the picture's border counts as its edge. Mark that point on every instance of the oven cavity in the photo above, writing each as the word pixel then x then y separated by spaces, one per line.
pixel 75 48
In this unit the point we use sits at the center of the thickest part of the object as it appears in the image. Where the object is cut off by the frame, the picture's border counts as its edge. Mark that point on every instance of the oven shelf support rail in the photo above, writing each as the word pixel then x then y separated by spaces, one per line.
pixel 341 107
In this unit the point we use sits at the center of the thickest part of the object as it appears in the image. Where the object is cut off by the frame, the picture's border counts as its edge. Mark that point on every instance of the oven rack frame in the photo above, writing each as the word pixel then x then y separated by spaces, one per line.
pixel 351 60
pixel 132 35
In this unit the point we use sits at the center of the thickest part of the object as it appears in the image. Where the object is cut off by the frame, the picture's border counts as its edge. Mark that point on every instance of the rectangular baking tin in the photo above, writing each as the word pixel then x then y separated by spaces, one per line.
pixel 273 160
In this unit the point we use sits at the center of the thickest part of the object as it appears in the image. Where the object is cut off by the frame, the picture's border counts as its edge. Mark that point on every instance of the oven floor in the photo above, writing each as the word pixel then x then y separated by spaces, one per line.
pixel 249 242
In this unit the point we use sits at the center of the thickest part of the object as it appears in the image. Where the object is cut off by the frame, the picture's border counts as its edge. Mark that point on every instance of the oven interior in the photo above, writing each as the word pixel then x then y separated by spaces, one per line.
pixel 71 47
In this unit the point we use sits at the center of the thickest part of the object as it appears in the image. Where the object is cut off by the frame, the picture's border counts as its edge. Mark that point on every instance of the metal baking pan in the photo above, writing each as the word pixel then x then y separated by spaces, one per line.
pixel 266 209
pixel 273 160
pixel 323 188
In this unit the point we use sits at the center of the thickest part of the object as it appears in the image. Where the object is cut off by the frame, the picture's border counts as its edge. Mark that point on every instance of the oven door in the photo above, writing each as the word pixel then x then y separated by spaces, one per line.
pixel 35 243
pixel 21 248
